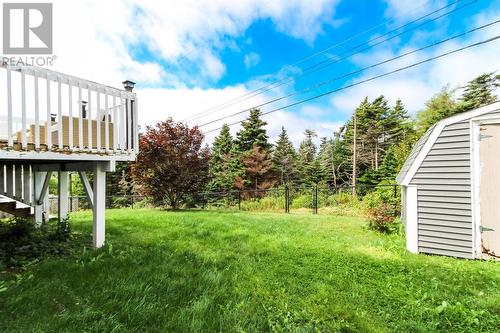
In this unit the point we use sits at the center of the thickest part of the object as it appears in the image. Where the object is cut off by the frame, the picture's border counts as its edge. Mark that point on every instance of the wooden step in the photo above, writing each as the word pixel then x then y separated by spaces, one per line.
pixel 11 207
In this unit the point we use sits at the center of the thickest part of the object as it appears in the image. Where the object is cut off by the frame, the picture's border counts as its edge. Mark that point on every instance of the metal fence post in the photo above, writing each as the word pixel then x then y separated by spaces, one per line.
pixel 315 199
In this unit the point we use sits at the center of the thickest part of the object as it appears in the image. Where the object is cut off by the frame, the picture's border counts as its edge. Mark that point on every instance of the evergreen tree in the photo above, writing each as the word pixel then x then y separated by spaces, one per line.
pixel 398 125
pixel 284 159
pixel 440 106
pixel 258 168
pixel 309 166
pixel 252 132
pixel 335 160
pixel 222 145
pixel 479 92
pixel 225 163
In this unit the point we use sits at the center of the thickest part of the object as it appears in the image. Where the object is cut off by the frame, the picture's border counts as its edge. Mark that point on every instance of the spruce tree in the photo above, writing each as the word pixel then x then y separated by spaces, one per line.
pixel 480 91
pixel 284 159
pixel 222 146
pixel 258 168
pixel 224 165
pixel 335 160
pixel 309 166
pixel 252 132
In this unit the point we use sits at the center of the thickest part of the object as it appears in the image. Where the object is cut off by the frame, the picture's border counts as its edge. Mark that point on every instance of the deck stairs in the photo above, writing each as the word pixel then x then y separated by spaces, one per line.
pixel 16 188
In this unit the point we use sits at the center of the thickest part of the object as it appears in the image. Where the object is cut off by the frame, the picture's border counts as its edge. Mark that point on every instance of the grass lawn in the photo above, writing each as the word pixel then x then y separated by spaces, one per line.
pixel 249 272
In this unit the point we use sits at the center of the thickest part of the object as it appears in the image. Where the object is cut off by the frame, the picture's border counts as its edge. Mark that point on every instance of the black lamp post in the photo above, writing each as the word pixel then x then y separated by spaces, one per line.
pixel 128 85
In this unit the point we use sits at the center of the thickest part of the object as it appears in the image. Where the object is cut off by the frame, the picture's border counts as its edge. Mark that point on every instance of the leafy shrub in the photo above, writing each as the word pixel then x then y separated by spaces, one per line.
pixel 382 208
pixel 144 203
pixel 265 203
pixel 21 242
pixel 118 202
pixel 303 200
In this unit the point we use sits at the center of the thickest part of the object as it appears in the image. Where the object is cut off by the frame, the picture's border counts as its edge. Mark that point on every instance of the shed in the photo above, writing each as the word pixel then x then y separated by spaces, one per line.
pixel 451 187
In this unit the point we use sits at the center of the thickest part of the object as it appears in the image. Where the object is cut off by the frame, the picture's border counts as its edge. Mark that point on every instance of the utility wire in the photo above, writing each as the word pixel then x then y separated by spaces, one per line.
pixel 369 79
pixel 313 55
pixel 329 62
pixel 353 72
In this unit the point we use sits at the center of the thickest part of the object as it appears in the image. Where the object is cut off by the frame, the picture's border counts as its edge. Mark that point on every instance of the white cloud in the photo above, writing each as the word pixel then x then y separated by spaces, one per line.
pixel 96 40
pixel 410 9
pixel 107 42
pixel 416 85
pixel 251 60
pixel 99 38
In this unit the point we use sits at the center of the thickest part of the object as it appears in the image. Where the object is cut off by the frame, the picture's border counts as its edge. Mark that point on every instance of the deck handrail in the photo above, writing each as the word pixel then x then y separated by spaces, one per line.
pixel 106 123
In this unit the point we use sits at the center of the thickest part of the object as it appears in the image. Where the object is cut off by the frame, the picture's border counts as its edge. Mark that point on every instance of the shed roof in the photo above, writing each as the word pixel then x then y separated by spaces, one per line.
pixel 425 143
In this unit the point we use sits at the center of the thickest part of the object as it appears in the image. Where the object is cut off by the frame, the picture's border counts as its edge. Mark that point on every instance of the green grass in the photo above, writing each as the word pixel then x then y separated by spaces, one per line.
pixel 249 272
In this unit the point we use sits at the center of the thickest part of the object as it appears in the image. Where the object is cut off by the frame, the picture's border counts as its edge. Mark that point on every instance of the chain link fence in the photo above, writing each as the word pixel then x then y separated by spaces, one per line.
pixel 313 199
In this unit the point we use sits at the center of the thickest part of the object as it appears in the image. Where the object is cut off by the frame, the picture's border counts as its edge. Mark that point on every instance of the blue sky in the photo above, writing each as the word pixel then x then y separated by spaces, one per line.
pixel 188 56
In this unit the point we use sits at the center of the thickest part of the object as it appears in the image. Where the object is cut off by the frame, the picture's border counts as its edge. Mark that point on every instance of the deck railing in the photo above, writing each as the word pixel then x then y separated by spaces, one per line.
pixel 44 110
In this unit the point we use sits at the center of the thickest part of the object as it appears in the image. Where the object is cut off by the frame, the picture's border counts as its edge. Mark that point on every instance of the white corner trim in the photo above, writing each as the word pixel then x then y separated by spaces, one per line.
pixel 411 220
pixel 475 188
pixel 437 131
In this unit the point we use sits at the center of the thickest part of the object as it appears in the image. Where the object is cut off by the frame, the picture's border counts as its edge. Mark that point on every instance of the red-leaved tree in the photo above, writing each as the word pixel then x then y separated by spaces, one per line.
pixel 172 165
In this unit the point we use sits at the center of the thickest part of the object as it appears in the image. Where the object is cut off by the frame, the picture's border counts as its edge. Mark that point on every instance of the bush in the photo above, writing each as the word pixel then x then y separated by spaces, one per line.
pixel 21 242
pixel 265 203
pixel 382 209
pixel 119 202
pixel 302 201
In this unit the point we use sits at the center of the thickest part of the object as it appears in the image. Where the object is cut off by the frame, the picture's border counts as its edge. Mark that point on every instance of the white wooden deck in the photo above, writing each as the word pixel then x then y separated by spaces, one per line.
pixel 56 123
pixel 53 116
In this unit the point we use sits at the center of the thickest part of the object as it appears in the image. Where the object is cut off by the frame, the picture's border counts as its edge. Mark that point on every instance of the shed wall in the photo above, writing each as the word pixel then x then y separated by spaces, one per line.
pixel 444 195
pixel 445 224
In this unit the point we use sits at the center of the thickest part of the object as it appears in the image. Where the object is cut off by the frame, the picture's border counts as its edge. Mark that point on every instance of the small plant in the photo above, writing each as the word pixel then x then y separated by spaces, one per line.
pixel 382 208
pixel 22 242
pixel 63 231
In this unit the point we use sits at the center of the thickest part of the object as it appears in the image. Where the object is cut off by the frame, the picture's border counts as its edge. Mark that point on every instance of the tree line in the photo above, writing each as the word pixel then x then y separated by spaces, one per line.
pixel 174 165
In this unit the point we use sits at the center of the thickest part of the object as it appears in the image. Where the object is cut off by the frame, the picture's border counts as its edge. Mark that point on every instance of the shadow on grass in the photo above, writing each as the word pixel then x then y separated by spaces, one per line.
pixel 222 275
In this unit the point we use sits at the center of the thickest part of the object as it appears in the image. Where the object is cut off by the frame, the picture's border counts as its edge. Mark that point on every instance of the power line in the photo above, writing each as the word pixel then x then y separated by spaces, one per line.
pixel 329 62
pixel 369 79
pixel 235 100
pixel 353 72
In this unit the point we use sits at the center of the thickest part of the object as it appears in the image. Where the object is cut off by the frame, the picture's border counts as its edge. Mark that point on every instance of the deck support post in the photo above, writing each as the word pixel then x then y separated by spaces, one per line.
pixel 38 207
pixel 63 193
pixel 99 205
pixel 41 204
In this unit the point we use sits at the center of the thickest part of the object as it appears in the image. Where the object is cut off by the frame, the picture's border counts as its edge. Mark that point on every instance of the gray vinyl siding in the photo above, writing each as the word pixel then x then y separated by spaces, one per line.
pixel 413 155
pixel 444 195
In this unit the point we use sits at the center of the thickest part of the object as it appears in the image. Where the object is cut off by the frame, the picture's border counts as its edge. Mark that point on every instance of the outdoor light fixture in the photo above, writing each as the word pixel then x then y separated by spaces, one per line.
pixel 84 109
pixel 128 85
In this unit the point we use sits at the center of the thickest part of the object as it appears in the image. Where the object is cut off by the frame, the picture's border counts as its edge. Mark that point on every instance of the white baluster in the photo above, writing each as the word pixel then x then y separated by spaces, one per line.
pixel 59 115
pixel 70 120
pixel 37 113
pixel 48 127
pixel 115 124
pixel 24 142
pixel 89 117
pixel 129 124
pixel 80 117
pixel 106 121
pixel 10 121
pixel 98 120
